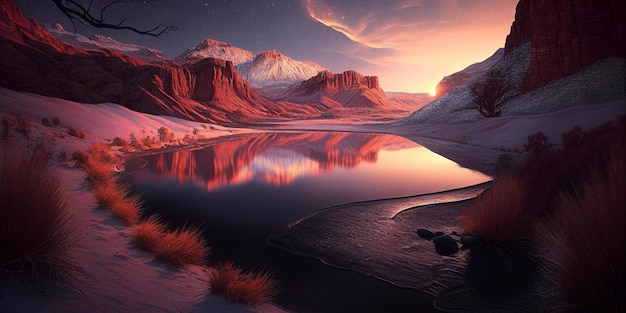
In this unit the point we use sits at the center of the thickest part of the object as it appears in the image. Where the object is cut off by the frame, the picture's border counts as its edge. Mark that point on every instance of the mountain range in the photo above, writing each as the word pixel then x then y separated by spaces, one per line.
pixel 215 81
pixel 100 69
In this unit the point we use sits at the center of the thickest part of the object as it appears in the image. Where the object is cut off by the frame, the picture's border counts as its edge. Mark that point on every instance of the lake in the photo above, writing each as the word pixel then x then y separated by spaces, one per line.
pixel 246 188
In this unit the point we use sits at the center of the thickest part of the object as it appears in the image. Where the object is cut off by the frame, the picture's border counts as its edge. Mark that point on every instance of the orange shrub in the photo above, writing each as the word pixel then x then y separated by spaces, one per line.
pixel 244 287
pixel 116 200
pixel 179 248
pixel 35 224
pixel 584 240
pixel 148 233
pixel 499 214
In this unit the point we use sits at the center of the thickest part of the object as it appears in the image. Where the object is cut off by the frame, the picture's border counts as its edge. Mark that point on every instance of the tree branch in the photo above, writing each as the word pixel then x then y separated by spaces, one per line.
pixel 77 12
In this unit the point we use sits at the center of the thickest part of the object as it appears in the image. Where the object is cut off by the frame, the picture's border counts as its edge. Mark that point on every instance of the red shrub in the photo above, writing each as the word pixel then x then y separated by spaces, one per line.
pixel 499 215
pixel 584 240
pixel 244 287
pixel 35 228
pixel 115 199
pixel 179 248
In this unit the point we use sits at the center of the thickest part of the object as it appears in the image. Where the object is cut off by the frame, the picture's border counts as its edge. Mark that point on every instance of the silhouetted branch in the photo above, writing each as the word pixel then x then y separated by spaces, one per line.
pixel 77 12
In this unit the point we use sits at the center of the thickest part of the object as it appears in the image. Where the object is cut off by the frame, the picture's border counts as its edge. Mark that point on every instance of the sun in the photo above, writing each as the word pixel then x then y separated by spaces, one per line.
pixel 433 92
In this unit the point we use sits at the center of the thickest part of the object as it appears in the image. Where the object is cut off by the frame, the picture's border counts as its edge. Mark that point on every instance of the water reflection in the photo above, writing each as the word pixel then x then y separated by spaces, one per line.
pixel 246 188
pixel 272 158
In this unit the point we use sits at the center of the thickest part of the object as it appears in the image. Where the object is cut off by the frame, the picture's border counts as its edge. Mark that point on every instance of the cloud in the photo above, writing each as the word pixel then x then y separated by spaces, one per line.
pixel 417 31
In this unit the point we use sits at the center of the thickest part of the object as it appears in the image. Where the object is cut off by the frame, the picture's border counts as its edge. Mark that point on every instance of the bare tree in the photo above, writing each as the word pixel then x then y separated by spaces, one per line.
pixel 489 95
pixel 95 15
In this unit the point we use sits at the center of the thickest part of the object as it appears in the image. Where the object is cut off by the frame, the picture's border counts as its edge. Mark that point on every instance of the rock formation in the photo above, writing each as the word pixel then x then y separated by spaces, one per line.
pixel 33 60
pixel 348 89
pixel 567 35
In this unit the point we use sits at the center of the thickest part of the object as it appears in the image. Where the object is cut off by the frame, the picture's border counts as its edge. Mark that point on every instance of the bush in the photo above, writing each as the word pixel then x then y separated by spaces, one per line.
pixel 536 143
pixel 35 228
pixel 546 173
pixel 166 135
pixel 119 142
pixel 573 138
pixel 22 126
pixel 80 157
pixel 76 133
pixel 489 95
pixel 46 122
pixel 8 125
pixel 244 287
pixel 132 140
pixel 584 240
pixel 116 199
pixel 498 214
pixel 179 248
pixel 56 121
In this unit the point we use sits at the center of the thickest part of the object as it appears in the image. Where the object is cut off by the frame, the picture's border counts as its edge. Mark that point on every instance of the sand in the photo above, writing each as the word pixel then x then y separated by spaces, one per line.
pixel 112 275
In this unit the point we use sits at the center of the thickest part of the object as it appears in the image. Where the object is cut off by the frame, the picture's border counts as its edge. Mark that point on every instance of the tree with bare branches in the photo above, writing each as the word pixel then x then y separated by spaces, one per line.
pixel 489 95
pixel 96 16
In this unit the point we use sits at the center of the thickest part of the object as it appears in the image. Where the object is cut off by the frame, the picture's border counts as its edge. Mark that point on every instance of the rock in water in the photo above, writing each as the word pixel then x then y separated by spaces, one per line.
pixel 425 233
pixel 445 245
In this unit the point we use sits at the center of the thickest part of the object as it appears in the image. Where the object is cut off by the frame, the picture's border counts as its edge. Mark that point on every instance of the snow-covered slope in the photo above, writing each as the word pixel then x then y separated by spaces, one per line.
pixel 272 68
pixel 96 42
pixel 456 105
pixel 210 48
pixel 600 82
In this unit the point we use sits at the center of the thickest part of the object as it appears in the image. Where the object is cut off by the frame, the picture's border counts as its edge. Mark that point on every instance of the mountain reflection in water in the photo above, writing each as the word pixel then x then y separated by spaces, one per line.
pixel 273 158
pixel 246 188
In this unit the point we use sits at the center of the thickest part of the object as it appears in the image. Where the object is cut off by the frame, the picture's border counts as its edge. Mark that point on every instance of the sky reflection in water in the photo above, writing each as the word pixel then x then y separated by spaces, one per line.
pixel 266 181
pixel 244 189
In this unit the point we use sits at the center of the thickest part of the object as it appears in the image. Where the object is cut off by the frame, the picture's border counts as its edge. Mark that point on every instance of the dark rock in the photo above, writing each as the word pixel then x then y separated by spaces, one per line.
pixel 439 233
pixel 425 233
pixel 445 245
pixel 469 241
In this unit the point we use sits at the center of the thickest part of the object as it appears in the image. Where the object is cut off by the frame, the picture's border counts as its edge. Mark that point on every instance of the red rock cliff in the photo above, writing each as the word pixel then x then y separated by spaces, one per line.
pixel 567 35
pixel 346 80
pixel 33 60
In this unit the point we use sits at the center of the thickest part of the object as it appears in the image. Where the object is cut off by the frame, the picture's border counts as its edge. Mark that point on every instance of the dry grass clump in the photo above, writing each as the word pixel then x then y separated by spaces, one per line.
pixel 76 133
pixel 237 285
pixel 179 248
pixel 499 215
pixel 35 224
pixel 116 199
pixel 584 240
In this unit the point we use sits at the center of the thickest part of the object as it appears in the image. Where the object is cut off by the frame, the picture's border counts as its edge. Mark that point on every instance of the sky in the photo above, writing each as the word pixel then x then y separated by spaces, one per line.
pixel 409 44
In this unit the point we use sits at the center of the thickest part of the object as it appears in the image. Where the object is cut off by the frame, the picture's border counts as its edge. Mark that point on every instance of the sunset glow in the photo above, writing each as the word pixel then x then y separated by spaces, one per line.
pixel 411 45
pixel 433 92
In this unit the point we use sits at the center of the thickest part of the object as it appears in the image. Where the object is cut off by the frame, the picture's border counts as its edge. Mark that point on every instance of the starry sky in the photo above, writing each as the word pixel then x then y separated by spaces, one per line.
pixel 409 44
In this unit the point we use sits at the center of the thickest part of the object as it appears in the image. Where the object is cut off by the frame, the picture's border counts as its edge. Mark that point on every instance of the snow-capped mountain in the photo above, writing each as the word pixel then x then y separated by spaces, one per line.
pixel 270 72
pixel 96 42
pixel 210 48
pixel 274 69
